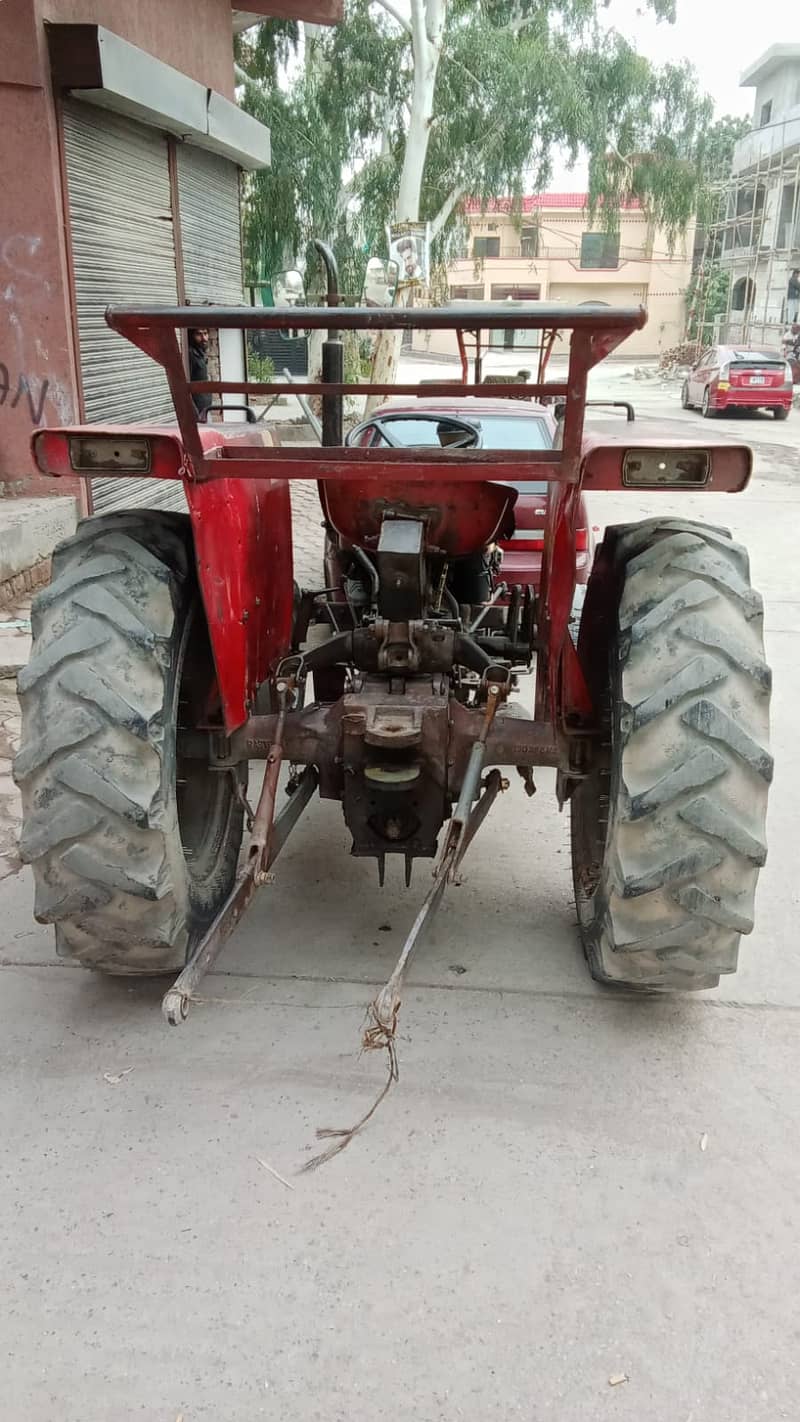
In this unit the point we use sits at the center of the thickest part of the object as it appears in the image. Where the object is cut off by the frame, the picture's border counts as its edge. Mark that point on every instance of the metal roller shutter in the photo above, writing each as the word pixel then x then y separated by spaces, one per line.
pixel 123 251
pixel 208 194
pixel 208 199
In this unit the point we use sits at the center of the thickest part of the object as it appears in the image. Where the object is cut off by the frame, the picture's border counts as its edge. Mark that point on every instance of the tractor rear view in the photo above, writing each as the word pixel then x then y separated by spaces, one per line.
pixel 171 650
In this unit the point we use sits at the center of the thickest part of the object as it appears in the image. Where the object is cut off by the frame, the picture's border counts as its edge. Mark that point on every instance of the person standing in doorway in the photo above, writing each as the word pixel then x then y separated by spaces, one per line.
pixel 793 295
pixel 198 369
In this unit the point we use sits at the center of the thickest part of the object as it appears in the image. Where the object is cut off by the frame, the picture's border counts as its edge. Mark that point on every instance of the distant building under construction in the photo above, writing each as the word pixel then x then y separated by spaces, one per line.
pixel 756 238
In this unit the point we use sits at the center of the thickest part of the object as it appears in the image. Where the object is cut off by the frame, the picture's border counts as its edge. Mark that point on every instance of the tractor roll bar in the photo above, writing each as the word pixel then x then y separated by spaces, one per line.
pixel 594 334
pixel 497 315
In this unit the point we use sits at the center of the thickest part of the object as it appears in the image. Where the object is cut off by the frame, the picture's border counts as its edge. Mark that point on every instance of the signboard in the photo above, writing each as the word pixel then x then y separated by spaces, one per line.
pixel 409 247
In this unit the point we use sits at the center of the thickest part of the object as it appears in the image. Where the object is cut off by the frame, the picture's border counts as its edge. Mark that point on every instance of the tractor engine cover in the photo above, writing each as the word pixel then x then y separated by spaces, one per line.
pixel 395 767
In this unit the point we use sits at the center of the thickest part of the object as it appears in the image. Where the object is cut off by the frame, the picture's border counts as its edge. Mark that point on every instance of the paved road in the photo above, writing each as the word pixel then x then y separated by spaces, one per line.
pixel 530 1215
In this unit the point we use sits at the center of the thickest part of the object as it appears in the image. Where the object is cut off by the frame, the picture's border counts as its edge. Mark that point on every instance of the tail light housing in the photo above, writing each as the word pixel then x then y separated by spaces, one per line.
pixel 106 450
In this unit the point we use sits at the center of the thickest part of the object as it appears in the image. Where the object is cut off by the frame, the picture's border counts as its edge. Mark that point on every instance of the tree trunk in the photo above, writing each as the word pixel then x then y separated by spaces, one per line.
pixel 427 30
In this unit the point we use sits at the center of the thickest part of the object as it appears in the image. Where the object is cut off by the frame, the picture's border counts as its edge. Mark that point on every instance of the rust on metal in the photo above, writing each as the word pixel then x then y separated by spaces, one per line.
pixel 433 388
pixel 611 322
pixel 175 1004
pixel 315 736
pixel 261 836
pixel 380 1033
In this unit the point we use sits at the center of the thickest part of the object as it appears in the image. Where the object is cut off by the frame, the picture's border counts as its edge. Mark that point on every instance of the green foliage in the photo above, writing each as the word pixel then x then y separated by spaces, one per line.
pixel 260 367
pixel 717 145
pixel 357 356
pixel 706 298
pixel 516 78
pixel 716 158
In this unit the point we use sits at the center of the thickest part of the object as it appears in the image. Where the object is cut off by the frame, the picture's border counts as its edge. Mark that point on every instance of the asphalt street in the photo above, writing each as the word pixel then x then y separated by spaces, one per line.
pixel 575 1204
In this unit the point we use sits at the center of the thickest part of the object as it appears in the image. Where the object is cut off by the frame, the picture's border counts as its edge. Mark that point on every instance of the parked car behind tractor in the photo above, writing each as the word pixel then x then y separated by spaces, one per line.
pixel 171 650
pixel 487 424
pixel 729 378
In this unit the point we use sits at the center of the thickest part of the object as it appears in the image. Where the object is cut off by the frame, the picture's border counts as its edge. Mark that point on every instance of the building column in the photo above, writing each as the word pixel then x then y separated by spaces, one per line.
pixel 37 364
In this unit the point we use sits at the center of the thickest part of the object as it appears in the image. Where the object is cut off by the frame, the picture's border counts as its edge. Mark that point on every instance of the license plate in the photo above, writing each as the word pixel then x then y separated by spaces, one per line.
pixel 758 379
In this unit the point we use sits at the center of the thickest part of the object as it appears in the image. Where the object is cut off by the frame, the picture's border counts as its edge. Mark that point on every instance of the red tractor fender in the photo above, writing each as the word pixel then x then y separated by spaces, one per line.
pixel 570 680
pixel 242 538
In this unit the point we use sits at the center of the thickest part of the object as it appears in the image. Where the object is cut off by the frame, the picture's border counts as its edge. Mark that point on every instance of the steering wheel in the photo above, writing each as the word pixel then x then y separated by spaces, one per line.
pixel 468 440
pixel 468 436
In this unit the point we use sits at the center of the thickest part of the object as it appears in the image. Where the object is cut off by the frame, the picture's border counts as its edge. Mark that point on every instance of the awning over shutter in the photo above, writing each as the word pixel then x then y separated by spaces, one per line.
pixel 208 194
pixel 123 251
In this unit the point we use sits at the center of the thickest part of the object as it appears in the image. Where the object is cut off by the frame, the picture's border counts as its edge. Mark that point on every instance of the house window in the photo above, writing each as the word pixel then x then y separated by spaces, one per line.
pixel 766 113
pixel 600 250
pixel 466 293
pixel 529 242
pixel 517 293
pixel 485 247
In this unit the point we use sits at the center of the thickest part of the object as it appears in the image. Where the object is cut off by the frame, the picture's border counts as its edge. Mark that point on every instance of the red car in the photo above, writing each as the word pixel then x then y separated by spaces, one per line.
pixel 735 378
pixel 486 424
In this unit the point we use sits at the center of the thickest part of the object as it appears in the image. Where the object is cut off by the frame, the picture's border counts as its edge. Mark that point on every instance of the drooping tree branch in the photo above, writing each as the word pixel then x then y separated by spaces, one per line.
pixel 374 122
pixel 395 14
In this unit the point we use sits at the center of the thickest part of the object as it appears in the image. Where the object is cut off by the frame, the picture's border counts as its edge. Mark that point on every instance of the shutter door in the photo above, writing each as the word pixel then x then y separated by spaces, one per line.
pixel 208 194
pixel 123 252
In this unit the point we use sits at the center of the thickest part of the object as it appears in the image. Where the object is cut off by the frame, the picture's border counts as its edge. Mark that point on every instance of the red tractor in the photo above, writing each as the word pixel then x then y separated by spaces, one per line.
pixel 172 649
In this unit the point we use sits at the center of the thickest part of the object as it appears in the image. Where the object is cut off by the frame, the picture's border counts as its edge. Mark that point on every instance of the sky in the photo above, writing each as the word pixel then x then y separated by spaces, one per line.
pixel 720 38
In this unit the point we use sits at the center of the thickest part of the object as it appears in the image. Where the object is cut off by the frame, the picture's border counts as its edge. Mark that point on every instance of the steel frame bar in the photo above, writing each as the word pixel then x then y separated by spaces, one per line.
pixel 412 465
pixel 175 1003
pixel 595 334
pixel 510 740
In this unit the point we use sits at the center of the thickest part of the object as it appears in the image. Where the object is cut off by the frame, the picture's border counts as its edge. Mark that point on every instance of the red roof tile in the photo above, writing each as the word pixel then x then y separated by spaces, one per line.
pixel 559 201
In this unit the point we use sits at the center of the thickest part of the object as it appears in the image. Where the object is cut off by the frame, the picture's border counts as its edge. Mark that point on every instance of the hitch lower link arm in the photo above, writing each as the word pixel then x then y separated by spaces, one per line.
pixel 269 834
pixel 465 823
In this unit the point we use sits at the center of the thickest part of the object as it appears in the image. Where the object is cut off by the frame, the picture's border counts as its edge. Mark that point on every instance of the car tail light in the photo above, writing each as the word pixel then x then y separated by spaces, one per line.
pixel 522 543
pixel 788 375
pixel 525 544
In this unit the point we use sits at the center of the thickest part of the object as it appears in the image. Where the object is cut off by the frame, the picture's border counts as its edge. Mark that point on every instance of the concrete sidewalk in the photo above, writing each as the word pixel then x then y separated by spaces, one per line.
pixel 29 531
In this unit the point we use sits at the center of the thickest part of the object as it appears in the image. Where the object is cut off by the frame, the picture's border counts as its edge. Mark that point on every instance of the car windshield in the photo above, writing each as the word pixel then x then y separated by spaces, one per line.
pixel 496 432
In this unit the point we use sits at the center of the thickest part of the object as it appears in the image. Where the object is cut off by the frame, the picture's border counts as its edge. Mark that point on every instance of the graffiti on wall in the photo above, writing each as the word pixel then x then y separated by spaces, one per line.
pixel 17 387
pixel 25 306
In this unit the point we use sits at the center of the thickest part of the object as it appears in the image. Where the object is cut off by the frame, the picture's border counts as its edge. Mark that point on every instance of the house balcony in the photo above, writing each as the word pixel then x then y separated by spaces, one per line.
pixel 764 146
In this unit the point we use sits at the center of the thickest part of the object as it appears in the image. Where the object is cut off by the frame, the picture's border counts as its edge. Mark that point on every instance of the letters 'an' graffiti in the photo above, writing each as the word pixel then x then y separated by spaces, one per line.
pixel 12 391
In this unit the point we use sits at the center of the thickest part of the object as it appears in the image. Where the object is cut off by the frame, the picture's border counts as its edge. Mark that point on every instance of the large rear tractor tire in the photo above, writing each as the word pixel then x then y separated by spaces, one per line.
pixel 133 839
pixel 668 829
